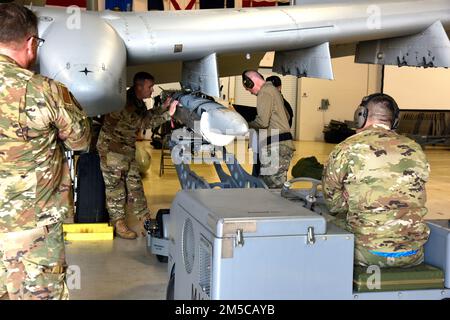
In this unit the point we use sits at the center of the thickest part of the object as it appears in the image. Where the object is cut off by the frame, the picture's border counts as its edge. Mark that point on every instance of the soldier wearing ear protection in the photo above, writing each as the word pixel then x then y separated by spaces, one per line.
pixel 362 112
pixel 247 82
pixel 275 148
pixel 375 182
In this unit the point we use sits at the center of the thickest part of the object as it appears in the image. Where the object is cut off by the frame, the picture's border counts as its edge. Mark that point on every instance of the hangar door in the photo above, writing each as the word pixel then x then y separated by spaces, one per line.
pixel 289 91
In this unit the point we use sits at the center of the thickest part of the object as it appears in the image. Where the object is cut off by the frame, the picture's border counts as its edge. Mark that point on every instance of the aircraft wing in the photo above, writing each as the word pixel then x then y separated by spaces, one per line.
pixel 92 51
pixel 167 72
pixel 190 35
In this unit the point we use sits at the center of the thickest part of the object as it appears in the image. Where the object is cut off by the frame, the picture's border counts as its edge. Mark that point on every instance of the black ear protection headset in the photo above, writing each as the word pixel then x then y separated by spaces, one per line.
pixel 247 82
pixel 362 112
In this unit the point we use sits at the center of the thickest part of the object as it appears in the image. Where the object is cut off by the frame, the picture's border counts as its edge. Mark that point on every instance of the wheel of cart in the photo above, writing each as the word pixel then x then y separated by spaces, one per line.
pixel 157 235
pixel 170 292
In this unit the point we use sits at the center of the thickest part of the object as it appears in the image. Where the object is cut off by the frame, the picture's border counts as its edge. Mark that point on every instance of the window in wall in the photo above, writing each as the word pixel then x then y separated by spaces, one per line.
pixel 119 5
pixel 155 5
pixel 216 4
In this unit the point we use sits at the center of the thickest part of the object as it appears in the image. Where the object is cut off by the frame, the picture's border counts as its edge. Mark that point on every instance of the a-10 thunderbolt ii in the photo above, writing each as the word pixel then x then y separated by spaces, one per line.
pixel 96 53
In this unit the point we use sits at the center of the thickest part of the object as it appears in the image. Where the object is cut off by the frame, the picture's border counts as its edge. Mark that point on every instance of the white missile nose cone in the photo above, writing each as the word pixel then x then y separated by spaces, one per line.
pixel 213 135
pixel 238 124
pixel 221 126
pixel 226 121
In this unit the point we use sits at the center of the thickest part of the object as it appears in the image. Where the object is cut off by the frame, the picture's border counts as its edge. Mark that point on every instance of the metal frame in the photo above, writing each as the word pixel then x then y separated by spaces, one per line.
pixel 192 145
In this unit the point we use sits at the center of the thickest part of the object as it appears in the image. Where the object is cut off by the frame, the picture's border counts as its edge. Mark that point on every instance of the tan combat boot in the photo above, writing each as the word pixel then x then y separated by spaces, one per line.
pixel 123 231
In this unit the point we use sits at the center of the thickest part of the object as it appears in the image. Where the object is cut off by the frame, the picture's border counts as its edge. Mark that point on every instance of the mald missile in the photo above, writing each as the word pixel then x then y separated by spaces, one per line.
pixel 217 124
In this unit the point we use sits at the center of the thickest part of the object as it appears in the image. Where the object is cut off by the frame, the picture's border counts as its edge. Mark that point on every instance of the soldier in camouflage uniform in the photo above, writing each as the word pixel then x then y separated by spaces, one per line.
pixel 275 148
pixel 375 181
pixel 116 147
pixel 39 118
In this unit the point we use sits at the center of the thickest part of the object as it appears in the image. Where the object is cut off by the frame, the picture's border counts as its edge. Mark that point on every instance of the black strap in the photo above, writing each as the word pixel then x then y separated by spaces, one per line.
pixel 256 170
pixel 281 137
pixel 257 166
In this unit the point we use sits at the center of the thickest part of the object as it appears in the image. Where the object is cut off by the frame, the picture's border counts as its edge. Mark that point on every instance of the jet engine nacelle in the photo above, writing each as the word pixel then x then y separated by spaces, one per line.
pixel 92 64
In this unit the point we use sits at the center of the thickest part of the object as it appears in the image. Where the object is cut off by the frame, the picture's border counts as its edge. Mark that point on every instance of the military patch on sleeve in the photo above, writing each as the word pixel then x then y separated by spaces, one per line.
pixel 70 103
pixel 75 102
pixel 65 94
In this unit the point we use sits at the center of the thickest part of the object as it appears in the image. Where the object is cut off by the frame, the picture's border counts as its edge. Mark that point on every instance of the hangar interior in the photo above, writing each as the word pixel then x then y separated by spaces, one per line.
pixel 106 265
pixel 125 269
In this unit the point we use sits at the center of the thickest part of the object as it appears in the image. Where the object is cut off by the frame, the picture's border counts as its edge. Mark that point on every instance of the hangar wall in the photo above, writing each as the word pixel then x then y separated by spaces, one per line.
pixel 413 88
pixel 351 82
pixel 417 88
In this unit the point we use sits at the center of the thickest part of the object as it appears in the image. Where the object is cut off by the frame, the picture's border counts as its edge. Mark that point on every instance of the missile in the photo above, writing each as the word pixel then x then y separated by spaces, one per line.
pixel 216 123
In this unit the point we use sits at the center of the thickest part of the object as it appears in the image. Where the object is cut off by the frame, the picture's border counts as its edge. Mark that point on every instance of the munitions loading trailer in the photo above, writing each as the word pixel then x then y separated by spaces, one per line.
pixel 187 147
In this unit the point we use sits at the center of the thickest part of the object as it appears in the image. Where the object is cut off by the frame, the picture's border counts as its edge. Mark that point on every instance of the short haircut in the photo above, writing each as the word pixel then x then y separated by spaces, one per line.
pixel 276 81
pixel 16 23
pixel 381 109
pixel 142 76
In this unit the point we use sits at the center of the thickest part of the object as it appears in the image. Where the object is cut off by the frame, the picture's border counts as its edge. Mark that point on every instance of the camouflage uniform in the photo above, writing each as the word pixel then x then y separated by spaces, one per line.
pixel 275 161
pixel 116 147
pixel 271 120
pixel 376 180
pixel 38 117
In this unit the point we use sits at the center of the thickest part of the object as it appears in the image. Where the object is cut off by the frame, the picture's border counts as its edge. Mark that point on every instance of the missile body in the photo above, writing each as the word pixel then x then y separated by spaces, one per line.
pixel 219 125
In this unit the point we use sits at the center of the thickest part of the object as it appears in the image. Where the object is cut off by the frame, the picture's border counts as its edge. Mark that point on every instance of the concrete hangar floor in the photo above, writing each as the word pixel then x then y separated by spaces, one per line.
pixel 123 269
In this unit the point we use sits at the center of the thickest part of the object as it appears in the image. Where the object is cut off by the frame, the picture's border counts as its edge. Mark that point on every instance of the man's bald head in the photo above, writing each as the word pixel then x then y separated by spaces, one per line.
pixel 252 74
pixel 255 83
